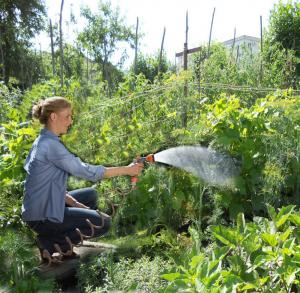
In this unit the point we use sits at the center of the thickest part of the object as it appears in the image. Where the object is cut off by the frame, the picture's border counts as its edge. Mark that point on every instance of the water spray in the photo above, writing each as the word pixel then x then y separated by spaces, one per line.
pixel 212 167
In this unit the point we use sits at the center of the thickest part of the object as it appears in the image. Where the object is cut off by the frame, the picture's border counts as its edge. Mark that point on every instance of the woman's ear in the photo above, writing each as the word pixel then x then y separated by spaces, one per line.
pixel 53 116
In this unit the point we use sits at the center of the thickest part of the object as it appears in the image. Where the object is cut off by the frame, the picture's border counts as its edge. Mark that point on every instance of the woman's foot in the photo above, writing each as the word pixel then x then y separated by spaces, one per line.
pixel 47 258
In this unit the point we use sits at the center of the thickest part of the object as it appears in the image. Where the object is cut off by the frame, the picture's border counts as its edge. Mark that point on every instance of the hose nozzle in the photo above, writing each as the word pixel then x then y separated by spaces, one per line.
pixel 149 158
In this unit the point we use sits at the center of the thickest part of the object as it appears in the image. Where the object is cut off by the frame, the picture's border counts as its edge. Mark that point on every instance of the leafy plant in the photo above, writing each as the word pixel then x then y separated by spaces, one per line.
pixel 125 274
pixel 261 255
pixel 17 261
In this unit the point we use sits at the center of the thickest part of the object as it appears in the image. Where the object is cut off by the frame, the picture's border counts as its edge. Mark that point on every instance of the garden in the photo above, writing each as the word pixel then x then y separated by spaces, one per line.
pixel 173 232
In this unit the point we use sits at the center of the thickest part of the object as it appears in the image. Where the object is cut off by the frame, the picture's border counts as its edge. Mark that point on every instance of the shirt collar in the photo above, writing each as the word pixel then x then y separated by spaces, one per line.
pixel 46 132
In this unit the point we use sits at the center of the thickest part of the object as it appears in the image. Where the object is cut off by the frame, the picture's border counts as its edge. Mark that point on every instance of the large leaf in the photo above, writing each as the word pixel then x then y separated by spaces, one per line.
pixel 226 235
pixel 269 239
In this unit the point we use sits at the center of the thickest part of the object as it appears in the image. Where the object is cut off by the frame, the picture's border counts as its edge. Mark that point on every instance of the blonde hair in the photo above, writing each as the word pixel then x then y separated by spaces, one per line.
pixel 43 109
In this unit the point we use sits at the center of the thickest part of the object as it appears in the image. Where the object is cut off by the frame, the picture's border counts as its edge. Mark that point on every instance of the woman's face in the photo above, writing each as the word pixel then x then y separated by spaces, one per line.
pixel 62 120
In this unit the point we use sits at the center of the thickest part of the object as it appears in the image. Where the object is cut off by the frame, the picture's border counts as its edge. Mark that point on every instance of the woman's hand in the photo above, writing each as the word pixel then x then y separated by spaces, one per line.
pixel 78 204
pixel 72 202
pixel 135 169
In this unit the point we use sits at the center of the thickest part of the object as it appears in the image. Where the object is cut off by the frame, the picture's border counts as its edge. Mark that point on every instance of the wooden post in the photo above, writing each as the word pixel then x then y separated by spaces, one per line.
pixel 52 49
pixel 210 32
pixel 261 51
pixel 136 45
pixel 233 44
pixel 161 52
pixel 2 58
pixel 237 54
pixel 42 62
pixel 61 46
pixel 185 66
pixel 87 65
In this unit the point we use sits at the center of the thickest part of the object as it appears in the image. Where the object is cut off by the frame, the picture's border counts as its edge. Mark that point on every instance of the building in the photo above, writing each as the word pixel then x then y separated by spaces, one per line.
pixel 239 45
pixel 243 42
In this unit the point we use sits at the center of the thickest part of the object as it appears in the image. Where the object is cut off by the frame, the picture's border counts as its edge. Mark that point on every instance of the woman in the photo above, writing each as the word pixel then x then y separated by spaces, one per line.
pixel 61 218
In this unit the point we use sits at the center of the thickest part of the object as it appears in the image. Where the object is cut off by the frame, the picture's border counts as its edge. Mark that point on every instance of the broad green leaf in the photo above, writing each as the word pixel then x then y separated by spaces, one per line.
pixel 261 260
pixel 211 279
pixel 220 252
pixel 27 131
pixel 283 215
pixel 284 236
pixel 237 263
pixel 226 235
pixel 196 260
pixel 203 270
pixel 295 219
pixel 171 277
pixel 282 221
pixel 248 287
pixel 270 239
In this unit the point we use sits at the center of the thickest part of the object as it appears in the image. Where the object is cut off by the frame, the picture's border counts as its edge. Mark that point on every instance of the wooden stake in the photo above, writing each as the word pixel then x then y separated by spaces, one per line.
pixel 185 66
pixel 52 48
pixel 261 50
pixel 161 52
pixel 210 32
pixel 136 45
pixel 61 46
pixel 233 43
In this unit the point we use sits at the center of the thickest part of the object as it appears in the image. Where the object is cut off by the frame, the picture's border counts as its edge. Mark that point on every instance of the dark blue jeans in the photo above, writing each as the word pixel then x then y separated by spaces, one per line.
pixel 50 233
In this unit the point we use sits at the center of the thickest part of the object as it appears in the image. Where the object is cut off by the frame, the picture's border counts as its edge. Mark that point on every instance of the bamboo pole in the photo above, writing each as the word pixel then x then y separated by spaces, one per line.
pixel 261 51
pixel 210 31
pixel 136 45
pixel 52 48
pixel 87 65
pixel 61 46
pixel 161 51
pixel 233 44
pixel 2 58
pixel 42 62
pixel 185 66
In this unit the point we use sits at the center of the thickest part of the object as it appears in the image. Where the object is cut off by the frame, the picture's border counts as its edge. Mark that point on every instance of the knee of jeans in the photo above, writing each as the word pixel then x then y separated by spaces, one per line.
pixel 93 196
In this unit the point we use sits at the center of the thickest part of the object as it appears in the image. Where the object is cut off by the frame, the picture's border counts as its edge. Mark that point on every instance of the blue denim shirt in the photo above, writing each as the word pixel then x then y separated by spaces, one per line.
pixel 48 165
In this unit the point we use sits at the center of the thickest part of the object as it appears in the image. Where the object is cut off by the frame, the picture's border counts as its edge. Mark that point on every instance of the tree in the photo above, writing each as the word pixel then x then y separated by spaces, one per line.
pixel 148 65
pixel 284 35
pixel 285 24
pixel 20 20
pixel 104 33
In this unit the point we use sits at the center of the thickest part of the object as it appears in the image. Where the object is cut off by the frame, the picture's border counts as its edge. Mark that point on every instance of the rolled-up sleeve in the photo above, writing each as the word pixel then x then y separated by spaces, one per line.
pixel 63 159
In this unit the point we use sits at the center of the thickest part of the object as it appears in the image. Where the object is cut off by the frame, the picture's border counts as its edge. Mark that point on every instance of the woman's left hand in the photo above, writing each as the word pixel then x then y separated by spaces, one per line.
pixel 80 205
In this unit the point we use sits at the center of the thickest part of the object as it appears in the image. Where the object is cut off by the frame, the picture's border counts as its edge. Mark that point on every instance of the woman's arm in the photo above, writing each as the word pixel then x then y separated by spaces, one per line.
pixel 131 170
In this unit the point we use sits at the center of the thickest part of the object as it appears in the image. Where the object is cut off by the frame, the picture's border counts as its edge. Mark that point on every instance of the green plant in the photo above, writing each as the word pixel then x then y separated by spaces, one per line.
pixel 106 274
pixel 260 256
pixel 17 261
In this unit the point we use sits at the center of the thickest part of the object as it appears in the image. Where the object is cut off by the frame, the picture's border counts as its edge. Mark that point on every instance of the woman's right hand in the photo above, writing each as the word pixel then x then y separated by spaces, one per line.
pixel 135 169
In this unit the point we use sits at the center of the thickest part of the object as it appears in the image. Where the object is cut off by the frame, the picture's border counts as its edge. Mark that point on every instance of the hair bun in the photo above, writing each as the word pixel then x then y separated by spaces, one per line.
pixel 37 110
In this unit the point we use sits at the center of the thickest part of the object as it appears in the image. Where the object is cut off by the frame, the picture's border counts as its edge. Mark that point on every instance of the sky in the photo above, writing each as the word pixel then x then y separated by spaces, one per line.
pixel 154 15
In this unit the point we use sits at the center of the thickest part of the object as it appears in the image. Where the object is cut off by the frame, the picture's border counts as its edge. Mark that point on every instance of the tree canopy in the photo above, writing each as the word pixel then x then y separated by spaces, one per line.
pixel 20 20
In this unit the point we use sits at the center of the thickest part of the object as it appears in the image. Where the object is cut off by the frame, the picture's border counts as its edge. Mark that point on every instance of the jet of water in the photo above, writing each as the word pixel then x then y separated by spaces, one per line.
pixel 212 167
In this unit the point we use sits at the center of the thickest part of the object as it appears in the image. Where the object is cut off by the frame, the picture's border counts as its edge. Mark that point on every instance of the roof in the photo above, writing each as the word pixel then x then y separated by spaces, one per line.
pixel 242 38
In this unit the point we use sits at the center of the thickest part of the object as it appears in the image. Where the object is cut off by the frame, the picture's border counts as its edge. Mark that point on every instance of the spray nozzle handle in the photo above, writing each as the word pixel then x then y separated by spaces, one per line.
pixel 149 158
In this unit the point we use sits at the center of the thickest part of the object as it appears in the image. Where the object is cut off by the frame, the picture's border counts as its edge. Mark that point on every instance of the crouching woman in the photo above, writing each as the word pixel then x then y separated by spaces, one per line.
pixel 62 218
